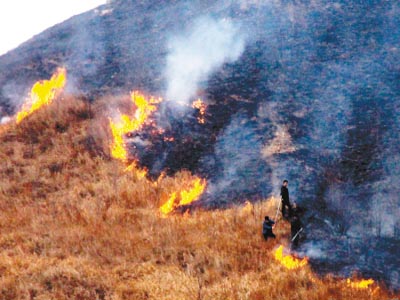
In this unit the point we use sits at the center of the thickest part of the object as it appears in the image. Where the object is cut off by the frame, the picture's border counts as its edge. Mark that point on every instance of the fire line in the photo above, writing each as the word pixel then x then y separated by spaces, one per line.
pixel 126 124
pixel 288 261
pixel 42 93
pixel 359 284
pixel 186 197
pixel 201 106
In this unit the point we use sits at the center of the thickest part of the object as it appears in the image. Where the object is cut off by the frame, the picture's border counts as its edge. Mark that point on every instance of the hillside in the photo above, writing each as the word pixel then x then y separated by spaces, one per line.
pixel 76 225
pixel 301 90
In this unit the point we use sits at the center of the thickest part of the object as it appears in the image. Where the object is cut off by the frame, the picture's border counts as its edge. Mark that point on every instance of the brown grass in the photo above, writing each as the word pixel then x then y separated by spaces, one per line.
pixel 74 225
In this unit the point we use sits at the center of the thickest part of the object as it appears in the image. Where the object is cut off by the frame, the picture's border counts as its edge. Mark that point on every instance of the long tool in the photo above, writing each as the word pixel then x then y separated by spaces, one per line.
pixel 298 232
pixel 277 211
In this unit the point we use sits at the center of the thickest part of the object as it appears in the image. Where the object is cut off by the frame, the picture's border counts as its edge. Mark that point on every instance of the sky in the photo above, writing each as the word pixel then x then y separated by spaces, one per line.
pixel 22 19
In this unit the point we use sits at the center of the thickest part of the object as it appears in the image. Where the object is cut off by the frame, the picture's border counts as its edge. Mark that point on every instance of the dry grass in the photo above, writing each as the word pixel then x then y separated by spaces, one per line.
pixel 74 225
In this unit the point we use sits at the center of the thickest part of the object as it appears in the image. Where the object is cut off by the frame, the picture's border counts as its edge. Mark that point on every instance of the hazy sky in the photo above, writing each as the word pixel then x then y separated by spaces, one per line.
pixel 22 19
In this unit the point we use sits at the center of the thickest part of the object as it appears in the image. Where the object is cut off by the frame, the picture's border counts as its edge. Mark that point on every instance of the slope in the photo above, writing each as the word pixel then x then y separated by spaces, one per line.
pixel 74 224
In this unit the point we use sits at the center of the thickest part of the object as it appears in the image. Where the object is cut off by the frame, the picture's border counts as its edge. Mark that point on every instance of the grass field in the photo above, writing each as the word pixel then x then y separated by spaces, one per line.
pixel 74 224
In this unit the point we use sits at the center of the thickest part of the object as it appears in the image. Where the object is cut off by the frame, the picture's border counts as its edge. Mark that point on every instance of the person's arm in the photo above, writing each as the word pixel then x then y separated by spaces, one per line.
pixel 265 228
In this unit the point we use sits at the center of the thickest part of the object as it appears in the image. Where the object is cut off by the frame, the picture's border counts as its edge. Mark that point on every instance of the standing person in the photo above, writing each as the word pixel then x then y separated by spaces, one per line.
pixel 286 206
pixel 267 228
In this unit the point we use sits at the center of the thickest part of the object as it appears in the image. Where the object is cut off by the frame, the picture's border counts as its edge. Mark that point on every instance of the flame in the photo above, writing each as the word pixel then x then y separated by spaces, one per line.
pixel 360 284
pixel 289 261
pixel 140 173
pixel 193 194
pixel 186 197
pixel 42 93
pixel 125 124
pixel 201 106
pixel 248 207
pixel 159 179
pixel 168 206
pixel 118 150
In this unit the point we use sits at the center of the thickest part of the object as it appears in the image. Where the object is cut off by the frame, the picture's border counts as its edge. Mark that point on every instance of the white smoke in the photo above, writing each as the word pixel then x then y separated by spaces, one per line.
pixel 14 94
pixel 195 54
pixel 5 120
pixel 314 250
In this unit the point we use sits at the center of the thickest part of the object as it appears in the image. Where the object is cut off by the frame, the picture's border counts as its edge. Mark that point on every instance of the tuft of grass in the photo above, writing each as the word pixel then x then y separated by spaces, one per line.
pixel 75 225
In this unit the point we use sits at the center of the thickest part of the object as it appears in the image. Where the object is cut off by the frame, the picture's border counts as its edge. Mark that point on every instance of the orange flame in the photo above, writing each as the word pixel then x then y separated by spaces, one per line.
pixel 168 206
pixel 186 197
pixel 360 284
pixel 193 194
pixel 144 108
pixel 42 93
pixel 159 179
pixel 201 106
pixel 140 173
pixel 289 261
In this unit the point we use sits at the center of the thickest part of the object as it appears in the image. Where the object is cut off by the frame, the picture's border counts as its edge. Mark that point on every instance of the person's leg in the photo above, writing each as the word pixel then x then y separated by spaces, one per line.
pixel 283 209
pixel 265 236
pixel 290 210
pixel 287 209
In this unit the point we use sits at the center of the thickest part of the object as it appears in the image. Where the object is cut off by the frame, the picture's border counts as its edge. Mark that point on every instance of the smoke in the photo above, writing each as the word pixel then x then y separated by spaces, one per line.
pixel 314 250
pixel 5 120
pixel 15 93
pixel 241 170
pixel 196 53
pixel 87 52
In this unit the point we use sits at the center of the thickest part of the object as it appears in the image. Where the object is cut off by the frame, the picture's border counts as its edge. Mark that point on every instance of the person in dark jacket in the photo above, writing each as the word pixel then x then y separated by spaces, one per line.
pixel 296 228
pixel 286 206
pixel 267 228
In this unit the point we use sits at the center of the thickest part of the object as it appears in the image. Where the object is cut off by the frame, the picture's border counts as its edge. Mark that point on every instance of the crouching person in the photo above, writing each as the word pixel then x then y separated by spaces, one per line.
pixel 267 228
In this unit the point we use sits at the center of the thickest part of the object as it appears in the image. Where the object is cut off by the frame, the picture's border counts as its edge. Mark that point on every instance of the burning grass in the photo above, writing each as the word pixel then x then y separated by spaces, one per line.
pixel 288 261
pixel 186 196
pixel 126 124
pixel 201 107
pixel 75 224
pixel 42 93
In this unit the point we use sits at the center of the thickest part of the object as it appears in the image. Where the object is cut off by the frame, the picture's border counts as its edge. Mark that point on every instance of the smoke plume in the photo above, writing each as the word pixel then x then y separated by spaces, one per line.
pixel 194 54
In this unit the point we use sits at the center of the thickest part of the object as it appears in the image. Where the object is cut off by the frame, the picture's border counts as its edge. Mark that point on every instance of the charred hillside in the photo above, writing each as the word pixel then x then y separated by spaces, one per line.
pixel 303 91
